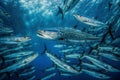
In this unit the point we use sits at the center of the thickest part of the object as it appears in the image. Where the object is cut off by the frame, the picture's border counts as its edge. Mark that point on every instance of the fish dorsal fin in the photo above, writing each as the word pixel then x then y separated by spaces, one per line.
pixel 75 26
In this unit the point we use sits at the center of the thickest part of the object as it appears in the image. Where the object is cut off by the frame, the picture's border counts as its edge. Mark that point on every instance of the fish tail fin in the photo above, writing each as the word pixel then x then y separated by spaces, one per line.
pixel 17 75
pixel 82 56
pixel 60 11
pixel 104 37
pixel 80 66
pixel 8 74
pixel 75 26
pixel 3 60
pixel 110 31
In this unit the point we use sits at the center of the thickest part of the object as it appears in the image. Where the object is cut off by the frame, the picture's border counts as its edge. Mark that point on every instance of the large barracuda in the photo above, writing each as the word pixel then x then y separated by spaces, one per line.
pixel 68 34
pixel 67 6
pixel 101 64
pixel 89 21
pixel 62 64
pixel 19 64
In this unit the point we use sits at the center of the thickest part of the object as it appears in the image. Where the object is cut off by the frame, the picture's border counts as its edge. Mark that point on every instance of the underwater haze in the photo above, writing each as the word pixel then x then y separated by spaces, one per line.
pixel 59 39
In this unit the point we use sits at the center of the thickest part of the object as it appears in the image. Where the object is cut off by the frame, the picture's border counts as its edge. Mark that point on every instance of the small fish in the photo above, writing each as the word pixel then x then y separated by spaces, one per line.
pixel 67 6
pixel 4 13
pixel 91 66
pixel 48 76
pixel 13 49
pixel 32 78
pixel 66 74
pixel 95 74
pixel 101 64
pixel 105 48
pixel 116 42
pixel 50 69
pixel 5 30
pixel 3 48
pixel 18 54
pixel 26 73
pixel 110 56
pixel 19 64
pixel 89 21
pixel 74 55
pixel 14 40
pixel 62 64
pixel 59 45
pixel 66 50
pixel 11 60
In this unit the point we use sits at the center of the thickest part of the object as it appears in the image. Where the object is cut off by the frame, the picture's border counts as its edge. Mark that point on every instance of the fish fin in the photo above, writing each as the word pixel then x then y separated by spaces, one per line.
pixel 109 5
pixel 17 75
pixel 60 11
pixel 110 31
pixel 104 37
pixel 8 74
pixel 118 4
pixel 75 26
pixel 3 60
pixel 61 39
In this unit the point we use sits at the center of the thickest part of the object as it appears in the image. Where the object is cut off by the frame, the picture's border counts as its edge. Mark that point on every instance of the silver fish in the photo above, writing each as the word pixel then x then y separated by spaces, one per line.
pixel 14 40
pixel 50 69
pixel 110 56
pixel 5 30
pixel 89 21
pixel 91 66
pixel 48 77
pixel 13 49
pixel 32 78
pixel 62 64
pixel 95 74
pixel 27 73
pixel 66 34
pixel 18 54
pixel 66 74
pixel 102 65
pixel 67 6
pixel 20 63
pixel 74 55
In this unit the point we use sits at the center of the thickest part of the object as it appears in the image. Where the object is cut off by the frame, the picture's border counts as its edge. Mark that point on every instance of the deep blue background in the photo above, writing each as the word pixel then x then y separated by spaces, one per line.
pixel 29 16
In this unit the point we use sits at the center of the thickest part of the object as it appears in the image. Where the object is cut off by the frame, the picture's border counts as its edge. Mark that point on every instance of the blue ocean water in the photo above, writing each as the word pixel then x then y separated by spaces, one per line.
pixel 28 16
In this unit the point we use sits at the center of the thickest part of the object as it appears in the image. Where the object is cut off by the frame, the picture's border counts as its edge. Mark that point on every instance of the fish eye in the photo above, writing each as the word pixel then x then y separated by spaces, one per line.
pixel 43 30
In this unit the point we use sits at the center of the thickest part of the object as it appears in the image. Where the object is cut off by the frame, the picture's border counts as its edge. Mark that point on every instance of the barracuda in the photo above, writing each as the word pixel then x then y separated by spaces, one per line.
pixel 95 74
pixel 68 34
pixel 89 21
pixel 14 40
pixel 101 64
pixel 67 6
pixel 19 64
pixel 62 64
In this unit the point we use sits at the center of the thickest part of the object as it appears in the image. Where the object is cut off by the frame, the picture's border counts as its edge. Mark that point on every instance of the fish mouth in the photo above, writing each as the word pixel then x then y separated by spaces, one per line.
pixel 39 34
